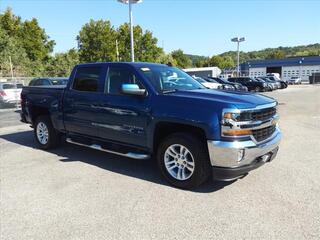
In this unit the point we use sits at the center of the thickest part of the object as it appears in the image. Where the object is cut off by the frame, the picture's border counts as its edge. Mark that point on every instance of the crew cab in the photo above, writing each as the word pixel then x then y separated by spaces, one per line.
pixel 250 83
pixel 155 111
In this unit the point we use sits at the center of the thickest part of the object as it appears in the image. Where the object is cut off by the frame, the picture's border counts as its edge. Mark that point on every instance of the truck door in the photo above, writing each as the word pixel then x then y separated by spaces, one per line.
pixel 123 118
pixel 81 100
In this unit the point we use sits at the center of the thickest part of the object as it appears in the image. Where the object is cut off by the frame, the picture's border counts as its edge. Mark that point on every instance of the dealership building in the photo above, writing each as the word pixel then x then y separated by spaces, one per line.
pixel 204 71
pixel 302 67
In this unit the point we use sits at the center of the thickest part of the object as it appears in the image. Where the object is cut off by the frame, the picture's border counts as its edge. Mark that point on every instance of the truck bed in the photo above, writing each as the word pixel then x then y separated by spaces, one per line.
pixel 43 98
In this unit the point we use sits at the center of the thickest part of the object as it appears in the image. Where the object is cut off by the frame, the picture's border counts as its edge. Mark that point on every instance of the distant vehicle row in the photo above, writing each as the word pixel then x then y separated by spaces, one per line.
pixel 259 84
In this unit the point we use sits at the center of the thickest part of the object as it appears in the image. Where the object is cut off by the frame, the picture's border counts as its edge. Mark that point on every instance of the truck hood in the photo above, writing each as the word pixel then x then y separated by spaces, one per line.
pixel 237 99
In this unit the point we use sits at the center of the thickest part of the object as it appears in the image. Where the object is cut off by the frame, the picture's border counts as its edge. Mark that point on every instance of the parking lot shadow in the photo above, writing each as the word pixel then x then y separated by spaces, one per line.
pixel 142 169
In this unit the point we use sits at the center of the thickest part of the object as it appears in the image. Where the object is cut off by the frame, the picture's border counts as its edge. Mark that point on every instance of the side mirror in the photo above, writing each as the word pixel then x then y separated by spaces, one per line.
pixel 132 89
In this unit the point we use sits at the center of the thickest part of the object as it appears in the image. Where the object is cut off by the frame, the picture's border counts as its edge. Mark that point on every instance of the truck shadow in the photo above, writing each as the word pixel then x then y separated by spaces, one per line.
pixel 142 169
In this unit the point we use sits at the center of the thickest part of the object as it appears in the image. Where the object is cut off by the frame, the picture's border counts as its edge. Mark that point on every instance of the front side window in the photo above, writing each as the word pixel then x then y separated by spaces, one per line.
pixel 117 76
pixel 87 79
pixel 165 78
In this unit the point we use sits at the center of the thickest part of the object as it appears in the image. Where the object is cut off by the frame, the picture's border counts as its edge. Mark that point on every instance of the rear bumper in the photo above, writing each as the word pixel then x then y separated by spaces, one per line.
pixel 239 157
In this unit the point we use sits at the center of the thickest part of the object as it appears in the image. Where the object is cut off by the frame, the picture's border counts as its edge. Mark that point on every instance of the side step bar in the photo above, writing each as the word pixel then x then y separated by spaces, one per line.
pixel 98 147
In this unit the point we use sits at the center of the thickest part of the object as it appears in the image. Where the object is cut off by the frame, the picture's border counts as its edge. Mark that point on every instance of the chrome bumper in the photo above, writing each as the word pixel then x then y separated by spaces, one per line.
pixel 240 153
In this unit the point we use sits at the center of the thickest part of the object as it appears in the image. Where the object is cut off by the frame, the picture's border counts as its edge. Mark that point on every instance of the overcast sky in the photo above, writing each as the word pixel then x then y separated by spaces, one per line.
pixel 202 27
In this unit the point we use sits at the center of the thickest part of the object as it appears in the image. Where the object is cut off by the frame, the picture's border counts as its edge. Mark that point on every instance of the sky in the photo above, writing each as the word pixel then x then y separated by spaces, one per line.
pixel 200 27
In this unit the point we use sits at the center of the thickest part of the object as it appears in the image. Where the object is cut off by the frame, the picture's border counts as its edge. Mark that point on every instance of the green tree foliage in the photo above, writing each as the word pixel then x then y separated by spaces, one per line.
pixel 10 47
pixel 182 60
pixel 145 45
pixel 97 40
pixel 98 43
pixel 166 59
pixel 221 62
pixel 62 63
pixel 25 42
pixel 35 41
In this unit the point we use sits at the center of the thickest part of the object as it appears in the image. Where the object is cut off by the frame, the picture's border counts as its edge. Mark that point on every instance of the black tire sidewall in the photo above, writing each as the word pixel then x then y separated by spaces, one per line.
pixel 200 155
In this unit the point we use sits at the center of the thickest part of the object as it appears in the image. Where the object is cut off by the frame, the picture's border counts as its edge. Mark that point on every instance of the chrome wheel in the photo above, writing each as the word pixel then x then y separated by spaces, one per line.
pixel 42 133
pixel 179 162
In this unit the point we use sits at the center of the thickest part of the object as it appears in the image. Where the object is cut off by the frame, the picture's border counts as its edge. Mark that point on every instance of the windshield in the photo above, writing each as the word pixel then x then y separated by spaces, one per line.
pixel 165 78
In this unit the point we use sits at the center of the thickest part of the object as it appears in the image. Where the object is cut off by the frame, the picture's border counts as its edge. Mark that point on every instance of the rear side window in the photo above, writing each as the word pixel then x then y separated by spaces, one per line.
pixel 8 86
pixel 87 79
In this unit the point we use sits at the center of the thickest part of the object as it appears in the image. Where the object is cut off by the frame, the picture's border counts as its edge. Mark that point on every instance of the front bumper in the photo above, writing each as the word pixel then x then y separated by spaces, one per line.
pixel 239 157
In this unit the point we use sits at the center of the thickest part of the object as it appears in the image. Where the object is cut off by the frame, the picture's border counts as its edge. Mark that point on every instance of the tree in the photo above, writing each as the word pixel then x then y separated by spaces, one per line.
pixel 25 42
pixel 166 59
pixel 35 41
pixel 221 62
pixel 97 41
pixel 276 55
pixel 145 45
pixel 182 60
pixel 62 63
pixel 10 47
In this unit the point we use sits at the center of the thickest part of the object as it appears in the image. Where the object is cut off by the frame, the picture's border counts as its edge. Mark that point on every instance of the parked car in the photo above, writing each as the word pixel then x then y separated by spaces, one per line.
pixel 273 84
pixel 294 80
pixel 10 93
pixel 207 84
pixel 48 81
pixel 139 110
pixel 269 85
pixel 280 84
pixel 250 83
pixel 228 85
pixel 275 75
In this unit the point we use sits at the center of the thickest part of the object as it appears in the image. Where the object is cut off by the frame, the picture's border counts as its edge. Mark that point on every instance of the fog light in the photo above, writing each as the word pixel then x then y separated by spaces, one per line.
pixel 240 155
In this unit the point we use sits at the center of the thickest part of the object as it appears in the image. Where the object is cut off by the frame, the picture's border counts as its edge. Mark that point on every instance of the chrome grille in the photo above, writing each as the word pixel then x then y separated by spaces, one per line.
pixel 260 115
pixel 263 133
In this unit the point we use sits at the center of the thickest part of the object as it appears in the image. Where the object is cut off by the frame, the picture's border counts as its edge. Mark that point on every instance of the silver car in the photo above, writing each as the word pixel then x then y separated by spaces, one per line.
pixel 294 80
pixel 10 93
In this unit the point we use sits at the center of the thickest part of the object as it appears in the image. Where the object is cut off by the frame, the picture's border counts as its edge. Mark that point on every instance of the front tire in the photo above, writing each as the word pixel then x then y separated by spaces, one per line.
pixel 183 160
pixel 46 136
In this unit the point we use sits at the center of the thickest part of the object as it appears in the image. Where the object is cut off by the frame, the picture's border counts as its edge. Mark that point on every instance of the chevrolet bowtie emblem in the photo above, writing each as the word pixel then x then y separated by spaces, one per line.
pixel 274 121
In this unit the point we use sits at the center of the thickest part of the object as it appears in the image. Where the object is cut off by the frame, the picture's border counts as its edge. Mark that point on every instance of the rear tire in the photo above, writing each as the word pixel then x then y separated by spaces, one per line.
pixel 46 136
pixel 183 160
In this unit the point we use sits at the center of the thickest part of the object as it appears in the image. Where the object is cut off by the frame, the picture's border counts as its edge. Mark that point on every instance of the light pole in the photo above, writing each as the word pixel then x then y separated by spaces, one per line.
pixel 130 2
pixel 238 41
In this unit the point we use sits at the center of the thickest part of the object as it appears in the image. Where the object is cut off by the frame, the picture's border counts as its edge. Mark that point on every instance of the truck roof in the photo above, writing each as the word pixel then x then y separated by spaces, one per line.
pixel 135 64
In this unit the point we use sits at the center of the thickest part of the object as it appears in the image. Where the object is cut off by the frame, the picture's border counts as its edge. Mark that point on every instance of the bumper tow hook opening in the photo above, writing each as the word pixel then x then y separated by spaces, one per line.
pixel 265 158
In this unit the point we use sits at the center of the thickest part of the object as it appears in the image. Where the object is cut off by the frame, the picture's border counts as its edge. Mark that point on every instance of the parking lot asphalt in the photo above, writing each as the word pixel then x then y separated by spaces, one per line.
pixel 78 193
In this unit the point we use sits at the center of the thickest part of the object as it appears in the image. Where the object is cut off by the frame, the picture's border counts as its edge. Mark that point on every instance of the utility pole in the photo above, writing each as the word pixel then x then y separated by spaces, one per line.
pixel 117 50
pixel 11 68
pixel 238 40
pixel 130 2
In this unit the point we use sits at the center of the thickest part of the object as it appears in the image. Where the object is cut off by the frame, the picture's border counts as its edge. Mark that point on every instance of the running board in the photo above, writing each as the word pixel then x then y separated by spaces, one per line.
pixel 98 147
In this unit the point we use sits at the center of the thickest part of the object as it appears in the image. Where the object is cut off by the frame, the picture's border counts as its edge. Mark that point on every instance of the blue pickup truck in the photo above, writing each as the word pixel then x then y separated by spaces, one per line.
pixel 155 111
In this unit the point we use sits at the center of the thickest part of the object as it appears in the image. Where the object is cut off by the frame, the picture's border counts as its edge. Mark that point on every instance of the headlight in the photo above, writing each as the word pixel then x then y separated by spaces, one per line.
pixel 228 126
pixel 231 116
